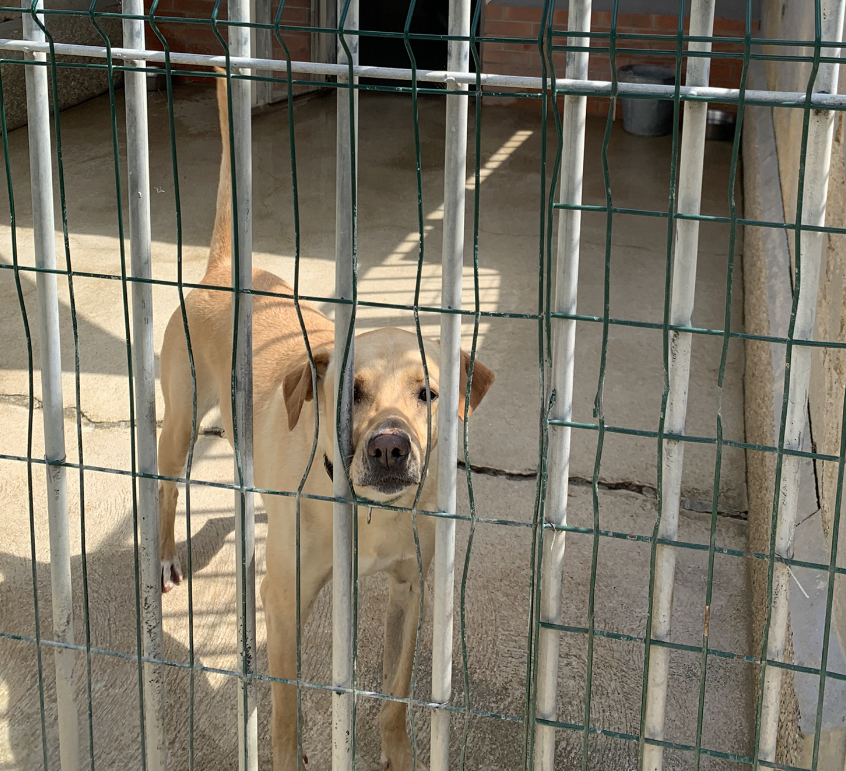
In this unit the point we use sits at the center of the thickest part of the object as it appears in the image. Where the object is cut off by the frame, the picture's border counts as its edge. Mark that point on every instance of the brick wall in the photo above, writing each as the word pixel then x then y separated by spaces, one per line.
pixel 523 58
pixel 196 36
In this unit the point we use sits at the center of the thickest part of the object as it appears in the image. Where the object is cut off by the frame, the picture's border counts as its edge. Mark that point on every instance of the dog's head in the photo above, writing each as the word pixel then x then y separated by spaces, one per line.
pixel 392 408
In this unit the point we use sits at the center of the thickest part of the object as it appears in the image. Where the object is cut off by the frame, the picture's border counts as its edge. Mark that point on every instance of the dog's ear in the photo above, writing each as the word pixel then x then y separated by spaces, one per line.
pixel 482 380
pixel 297 384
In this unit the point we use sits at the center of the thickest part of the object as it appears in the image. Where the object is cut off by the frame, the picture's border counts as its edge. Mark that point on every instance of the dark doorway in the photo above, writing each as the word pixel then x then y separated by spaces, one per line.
pixel 430 17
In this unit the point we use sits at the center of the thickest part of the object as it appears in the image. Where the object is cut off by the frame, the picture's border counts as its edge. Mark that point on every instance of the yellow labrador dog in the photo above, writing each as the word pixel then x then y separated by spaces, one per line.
pixel 389 437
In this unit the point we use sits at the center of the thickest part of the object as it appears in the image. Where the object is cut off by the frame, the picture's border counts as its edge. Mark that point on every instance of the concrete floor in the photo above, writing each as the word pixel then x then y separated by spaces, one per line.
pixel 504 436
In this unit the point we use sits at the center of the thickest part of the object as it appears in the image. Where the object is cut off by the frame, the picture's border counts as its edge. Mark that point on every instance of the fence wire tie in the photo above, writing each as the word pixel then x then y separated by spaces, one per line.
pixel 555 532
pixel 793 576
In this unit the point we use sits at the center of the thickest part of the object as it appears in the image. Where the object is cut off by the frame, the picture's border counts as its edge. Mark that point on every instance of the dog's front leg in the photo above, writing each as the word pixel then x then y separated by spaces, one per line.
pixel 280 609
pixel 398 658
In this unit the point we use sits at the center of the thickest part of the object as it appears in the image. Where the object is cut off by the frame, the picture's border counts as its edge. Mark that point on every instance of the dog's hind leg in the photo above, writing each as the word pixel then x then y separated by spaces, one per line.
pixel 173 450
pixel 175 438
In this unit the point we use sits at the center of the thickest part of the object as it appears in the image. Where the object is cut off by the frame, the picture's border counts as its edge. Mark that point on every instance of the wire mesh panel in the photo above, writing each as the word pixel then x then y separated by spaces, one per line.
pixel 590 527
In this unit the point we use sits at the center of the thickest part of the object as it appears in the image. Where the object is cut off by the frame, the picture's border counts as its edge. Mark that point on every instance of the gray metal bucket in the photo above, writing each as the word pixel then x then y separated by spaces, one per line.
pixel 647 117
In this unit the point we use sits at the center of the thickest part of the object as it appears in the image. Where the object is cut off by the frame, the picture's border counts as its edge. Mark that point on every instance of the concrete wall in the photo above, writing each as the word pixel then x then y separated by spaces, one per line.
pixel 766 275
pixel 76 84
pixel 794 20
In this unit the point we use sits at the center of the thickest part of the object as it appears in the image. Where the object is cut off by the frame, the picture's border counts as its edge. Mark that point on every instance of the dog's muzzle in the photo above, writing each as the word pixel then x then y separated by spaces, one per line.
pixel 390 463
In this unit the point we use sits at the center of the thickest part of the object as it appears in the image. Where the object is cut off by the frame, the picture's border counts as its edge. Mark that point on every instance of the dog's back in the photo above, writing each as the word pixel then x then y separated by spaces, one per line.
pixel 277 333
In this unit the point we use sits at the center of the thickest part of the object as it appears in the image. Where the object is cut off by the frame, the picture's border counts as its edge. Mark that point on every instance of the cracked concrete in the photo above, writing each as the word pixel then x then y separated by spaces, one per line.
pixel 688 504
pixel 503 436
pixel 650 492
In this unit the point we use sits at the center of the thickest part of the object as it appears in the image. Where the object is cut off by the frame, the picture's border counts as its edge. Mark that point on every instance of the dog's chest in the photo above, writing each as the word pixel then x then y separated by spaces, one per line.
pixel 383 541
pixel 368 564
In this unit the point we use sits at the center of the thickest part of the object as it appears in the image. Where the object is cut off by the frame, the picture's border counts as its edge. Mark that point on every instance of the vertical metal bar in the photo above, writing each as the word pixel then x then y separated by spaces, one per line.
pixel 242 280
pixel 808 258
pixel 143 353
pixel 455 185
pixel 343 513
pixel 563 361
pixel 324 14
pixel 681 314
pixel 41 172
pixel 263 49
pixel 36 607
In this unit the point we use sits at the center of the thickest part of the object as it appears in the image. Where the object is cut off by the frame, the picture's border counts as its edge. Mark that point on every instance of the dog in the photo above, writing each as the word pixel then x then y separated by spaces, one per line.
pixel 391 412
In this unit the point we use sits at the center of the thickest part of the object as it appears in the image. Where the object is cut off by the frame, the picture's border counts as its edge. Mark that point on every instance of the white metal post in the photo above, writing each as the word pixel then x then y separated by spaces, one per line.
pixel 808 260
pixel 262 48
pixel 143 363
pixel 343 513
pixel 44 236
pixel 239 45
pixel 681 314
pixel 563 361
pixel 455 185
pixel 324 13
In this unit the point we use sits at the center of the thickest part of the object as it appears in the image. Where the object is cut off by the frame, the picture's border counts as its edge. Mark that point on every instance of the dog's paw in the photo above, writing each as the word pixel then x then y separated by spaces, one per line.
pixel 171 573
pixel 387 765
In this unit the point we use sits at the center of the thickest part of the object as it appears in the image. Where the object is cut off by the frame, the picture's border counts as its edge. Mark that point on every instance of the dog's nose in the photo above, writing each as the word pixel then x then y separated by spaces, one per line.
pixel 390 448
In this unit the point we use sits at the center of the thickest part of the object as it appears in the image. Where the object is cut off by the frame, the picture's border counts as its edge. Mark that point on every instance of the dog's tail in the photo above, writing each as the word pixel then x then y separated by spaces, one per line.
pixel 221 241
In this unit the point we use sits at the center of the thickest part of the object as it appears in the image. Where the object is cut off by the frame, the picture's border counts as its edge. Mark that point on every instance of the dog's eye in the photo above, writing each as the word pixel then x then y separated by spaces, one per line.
pixel 422 395
pixel 356 394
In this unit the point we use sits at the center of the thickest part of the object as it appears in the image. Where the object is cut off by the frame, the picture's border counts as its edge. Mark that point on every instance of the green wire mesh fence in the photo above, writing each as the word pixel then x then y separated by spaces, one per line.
pixel 562 98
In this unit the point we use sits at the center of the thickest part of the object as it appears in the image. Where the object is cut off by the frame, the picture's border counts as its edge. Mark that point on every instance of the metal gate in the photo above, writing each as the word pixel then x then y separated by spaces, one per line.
pixel 556 319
